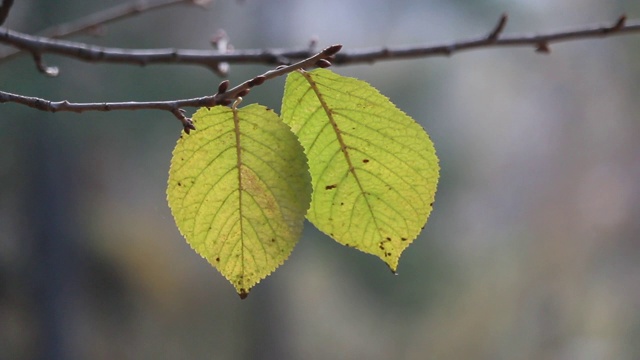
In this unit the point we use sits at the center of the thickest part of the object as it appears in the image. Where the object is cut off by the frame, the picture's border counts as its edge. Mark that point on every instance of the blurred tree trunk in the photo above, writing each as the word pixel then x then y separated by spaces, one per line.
pixel 53 270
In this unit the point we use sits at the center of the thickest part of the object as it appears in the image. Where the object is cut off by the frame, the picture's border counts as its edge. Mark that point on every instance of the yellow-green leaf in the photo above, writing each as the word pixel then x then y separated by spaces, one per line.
pixel 238 189
pixel 374 169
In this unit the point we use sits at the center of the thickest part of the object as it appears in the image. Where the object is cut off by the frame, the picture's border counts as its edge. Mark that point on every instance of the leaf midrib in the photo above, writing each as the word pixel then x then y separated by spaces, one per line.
pixel 236 128
pixel 343 145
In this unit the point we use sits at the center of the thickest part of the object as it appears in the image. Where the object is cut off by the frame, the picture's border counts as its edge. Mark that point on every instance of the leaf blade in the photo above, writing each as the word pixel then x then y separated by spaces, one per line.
pixel 373 168
pixel 238 189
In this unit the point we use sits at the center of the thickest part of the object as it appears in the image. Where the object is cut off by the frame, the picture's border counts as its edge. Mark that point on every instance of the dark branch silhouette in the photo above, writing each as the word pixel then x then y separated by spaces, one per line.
pixel 5 7
pixel 211 58
pixel 95 22
pixel 305 59
pixel 222 97
pixel 494 39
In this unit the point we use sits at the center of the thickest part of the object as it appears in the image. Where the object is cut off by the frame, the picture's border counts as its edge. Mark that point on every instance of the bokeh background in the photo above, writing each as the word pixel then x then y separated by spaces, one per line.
pixel 532 250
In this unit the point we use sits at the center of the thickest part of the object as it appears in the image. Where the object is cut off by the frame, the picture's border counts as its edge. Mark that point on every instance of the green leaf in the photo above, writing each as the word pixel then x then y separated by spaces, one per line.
pixel 238 189
pixel 374 169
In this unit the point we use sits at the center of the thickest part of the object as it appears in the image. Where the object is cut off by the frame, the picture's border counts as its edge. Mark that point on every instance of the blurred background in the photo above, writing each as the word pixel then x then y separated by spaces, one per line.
pixel 531 252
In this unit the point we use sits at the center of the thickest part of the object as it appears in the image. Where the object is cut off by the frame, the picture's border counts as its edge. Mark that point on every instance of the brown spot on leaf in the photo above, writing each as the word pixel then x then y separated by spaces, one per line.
pixel 365 160
pixel 217 259
pixel 403 239
pixel 273 240
pixel 329 187
pixel 388 239
pixel 179 183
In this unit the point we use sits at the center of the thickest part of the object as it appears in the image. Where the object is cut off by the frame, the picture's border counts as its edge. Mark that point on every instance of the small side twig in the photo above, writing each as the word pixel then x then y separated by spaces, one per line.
pixel 499 28
pixel 99 19
pixel 52 71
pixel 619 24
pixel 113 14
pixel 223 97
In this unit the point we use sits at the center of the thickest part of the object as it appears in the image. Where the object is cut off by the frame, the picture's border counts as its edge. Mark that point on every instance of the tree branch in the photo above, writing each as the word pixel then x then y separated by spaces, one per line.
pixel 97 20
pixel 210 58
pixel 116 13
pixel 222 97
pixel 38 45
pixel 91 53
pixel 541 43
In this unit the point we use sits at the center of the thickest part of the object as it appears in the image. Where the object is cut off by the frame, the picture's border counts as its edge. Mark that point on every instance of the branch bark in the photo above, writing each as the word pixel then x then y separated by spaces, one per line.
pixel 99 19
pixel 222 97
pixel 38 45
pixel 211 58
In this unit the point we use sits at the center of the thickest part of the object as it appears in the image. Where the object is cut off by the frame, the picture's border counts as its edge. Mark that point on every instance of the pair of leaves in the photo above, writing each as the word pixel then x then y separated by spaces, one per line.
pixel 361 170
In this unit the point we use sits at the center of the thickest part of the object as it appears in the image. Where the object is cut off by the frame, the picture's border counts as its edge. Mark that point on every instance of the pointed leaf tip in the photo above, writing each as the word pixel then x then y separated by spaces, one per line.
pixel 374 169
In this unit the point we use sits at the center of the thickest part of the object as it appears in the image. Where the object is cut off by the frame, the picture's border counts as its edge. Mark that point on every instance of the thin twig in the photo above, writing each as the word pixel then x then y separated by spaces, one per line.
pixel 5 7
pixel 210 58
pixel 91 53
pixel 52 71
pixel 116 13
pixel 99 19
pixel 499 28
pixel 223 97
pixel 538 42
